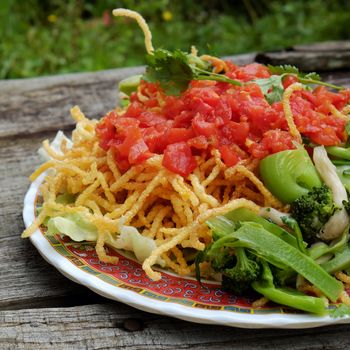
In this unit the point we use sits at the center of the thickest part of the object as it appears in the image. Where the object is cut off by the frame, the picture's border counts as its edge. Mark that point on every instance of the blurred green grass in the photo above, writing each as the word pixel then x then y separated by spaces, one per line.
pixel 57 36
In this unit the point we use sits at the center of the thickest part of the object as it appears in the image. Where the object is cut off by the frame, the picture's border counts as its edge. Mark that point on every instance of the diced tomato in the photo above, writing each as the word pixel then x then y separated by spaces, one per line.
pixel 289 80
pixel 229 157
pixel 199 142
pixel 139 152
pixel 175 135
pixel 236 120
pixel 105 129
pixel 178 158
pixel 202 127
pixel 233 132
pixel 252 71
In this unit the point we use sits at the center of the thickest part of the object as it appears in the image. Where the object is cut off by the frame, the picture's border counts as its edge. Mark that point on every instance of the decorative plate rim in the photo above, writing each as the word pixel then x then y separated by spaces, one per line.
pixel 129 297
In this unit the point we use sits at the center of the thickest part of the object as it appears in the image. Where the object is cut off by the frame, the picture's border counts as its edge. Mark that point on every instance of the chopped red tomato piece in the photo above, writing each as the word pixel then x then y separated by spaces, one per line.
pixel 178 158
pixel 229 157
pixel 236 120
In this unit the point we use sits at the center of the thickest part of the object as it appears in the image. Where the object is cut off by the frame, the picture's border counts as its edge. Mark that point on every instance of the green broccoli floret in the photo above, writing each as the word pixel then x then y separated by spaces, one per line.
pixel 347 205
pixel 312 211
pixel 238 278
pixel 283 277
pixel 222 261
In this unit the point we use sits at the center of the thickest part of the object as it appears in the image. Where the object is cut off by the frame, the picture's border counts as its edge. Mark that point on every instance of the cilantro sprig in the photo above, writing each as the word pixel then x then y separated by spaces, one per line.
pixel 174 71
pixel 342 310
pixel 273 89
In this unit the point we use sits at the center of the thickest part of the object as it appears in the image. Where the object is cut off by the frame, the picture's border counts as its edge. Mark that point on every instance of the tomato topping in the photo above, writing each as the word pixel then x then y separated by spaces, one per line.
pixel 236 120
pixel 178 158
pixel 228 155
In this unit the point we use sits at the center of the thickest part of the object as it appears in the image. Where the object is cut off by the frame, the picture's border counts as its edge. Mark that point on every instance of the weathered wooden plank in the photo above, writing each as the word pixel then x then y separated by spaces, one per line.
pixel 308 61
pixel 40 104
pixel 34 105
pixel 334 45
pixel 25 278
pixel 108 327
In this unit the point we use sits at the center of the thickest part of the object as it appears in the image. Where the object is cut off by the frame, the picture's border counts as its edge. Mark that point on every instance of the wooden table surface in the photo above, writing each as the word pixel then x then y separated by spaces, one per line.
pixel 40 308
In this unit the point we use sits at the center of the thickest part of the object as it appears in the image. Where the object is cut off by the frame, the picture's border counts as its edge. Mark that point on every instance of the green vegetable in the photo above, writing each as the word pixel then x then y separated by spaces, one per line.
pixel 78 228
pixel 284 277
pixel 175 70
pixel 279 253
pixel 312 211
pixel 341 261
pixel 304 78
pixel 238 278
pixel 289 174
pixel 343 172
pixel 320 248
pixel 339 152
pixel 286 296
pixel 273 89
pixel 292 223
pixel 244 214
pixel 130 84
pixel 340 311
pixel 72 225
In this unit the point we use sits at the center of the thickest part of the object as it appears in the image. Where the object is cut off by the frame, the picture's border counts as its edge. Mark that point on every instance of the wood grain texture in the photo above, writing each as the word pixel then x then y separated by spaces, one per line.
pixel 25 278
pixel 41 309
pixel 43 104
pixel 107 327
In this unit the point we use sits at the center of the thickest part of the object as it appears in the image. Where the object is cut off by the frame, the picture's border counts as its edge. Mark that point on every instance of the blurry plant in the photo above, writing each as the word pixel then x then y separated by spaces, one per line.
pixel 56 36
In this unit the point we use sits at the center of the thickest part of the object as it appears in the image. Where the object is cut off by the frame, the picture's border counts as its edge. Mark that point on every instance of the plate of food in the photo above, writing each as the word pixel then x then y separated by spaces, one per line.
pixel 214 193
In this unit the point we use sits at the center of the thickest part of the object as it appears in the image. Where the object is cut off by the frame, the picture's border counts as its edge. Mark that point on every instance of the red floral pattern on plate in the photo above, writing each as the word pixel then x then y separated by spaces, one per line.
pixel 128 274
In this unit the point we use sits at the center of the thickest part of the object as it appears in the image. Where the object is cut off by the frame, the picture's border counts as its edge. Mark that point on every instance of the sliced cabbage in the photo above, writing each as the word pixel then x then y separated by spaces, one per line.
pixel 55 145
pixel 79 229
pixel 74 226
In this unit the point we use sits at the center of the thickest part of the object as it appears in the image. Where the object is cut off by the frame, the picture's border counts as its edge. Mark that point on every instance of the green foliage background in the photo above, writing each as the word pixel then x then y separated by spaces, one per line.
pixel 57 36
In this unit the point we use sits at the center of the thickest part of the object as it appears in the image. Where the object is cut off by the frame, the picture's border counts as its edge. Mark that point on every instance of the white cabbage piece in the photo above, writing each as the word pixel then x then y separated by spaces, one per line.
pixel 74 226
pixel 79 229
pixel 338 222
pixel 55 145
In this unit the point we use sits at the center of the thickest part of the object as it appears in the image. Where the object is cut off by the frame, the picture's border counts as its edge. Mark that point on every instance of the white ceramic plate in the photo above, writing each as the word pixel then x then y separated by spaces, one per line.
pixel 173 295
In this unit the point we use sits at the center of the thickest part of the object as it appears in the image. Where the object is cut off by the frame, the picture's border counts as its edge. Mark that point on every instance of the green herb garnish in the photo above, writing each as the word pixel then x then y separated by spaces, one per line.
pixel 273 88
pixel 174 71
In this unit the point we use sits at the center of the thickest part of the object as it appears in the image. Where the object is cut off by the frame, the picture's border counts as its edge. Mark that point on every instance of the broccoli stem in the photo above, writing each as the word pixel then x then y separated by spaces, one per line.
pixel 285 296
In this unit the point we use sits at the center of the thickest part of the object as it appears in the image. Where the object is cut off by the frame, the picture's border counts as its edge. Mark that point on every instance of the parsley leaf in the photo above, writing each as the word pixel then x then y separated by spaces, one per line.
pixel 288 69
pixel 284 69
pixel 271 87
pixel 304 78
pixel 174 71
pixel 170 69
pixel 340 311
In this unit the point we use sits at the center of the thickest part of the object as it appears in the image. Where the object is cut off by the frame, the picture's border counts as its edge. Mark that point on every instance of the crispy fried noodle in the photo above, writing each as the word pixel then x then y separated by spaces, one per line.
pixel 162 205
